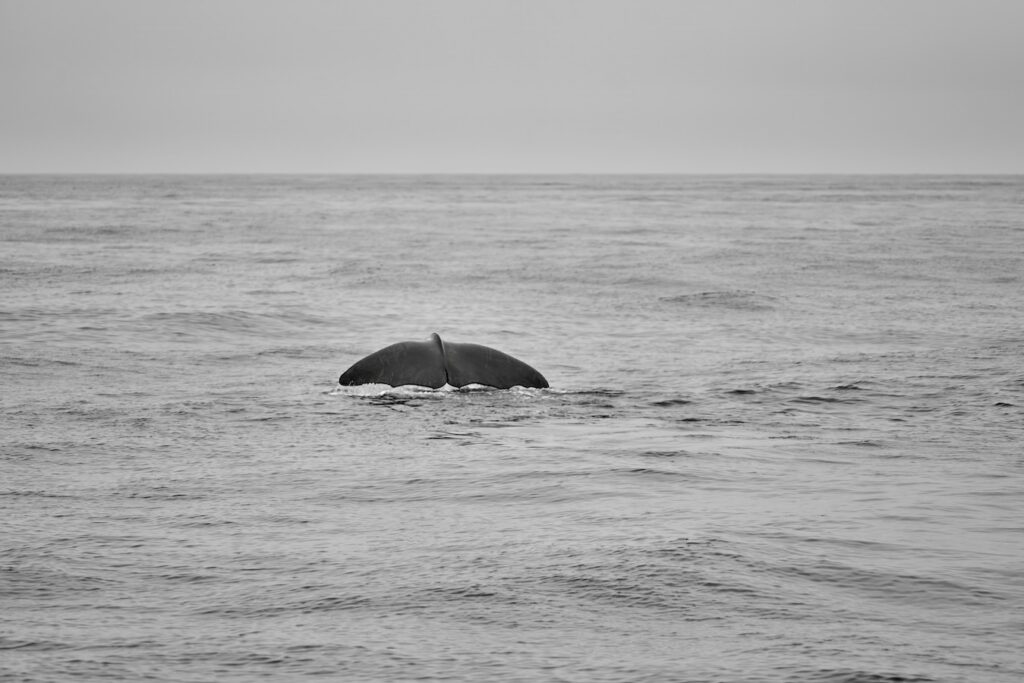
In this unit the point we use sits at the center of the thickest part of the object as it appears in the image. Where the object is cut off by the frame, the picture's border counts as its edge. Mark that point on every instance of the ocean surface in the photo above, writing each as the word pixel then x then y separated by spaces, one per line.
pixel 784 439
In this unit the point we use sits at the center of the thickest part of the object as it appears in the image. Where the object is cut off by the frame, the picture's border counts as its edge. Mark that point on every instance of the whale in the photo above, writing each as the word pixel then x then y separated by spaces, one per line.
pixel 434 363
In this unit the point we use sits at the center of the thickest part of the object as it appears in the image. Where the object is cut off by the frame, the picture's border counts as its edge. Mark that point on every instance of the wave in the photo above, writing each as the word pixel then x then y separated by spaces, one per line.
pixel 733 300
pixel 232 322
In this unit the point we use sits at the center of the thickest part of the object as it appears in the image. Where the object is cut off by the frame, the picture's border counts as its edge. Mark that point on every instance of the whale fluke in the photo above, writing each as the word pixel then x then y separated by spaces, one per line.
pixel 434 363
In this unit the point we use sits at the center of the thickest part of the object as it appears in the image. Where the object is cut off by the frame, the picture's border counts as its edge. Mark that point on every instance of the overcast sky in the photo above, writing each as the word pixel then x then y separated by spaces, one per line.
pixel 378 86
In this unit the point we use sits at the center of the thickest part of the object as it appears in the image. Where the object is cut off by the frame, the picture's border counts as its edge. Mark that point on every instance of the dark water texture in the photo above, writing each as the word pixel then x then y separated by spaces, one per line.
pixel 783 438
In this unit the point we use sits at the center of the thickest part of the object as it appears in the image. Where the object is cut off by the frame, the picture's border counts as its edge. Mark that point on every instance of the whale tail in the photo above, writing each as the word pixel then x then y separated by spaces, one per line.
pixel 434 363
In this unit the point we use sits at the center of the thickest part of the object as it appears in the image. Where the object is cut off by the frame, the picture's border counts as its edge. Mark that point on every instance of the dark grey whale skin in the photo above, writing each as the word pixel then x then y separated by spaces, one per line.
pixel 434 363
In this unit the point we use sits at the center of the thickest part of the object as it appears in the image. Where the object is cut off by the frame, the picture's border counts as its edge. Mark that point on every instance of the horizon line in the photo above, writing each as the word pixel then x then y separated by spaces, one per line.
pixel 512 173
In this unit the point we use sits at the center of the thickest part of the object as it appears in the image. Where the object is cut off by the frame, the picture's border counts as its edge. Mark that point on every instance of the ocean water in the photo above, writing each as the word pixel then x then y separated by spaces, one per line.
pixel 783 438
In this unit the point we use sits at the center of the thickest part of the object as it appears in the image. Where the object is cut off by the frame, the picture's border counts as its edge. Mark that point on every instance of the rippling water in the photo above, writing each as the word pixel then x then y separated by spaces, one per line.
pixel 783 438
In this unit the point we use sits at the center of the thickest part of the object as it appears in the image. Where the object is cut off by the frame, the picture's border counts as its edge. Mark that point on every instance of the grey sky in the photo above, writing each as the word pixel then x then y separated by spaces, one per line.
pixel 512 86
